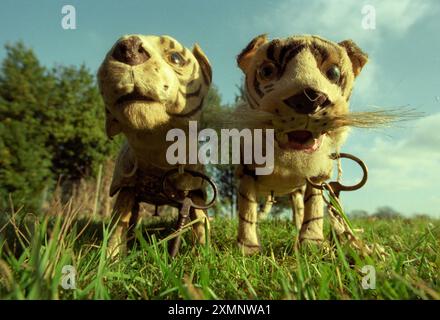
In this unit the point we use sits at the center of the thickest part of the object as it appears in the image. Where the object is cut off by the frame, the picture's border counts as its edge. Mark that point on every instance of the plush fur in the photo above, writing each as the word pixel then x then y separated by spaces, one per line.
pixel 300 86
pixel 150 84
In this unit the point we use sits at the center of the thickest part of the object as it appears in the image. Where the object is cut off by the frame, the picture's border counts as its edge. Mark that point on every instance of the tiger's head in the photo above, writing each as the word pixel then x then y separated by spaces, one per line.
pixel 305 83
pixel 150 81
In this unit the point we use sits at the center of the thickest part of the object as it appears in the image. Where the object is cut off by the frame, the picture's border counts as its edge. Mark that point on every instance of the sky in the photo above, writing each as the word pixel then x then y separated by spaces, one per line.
pixel 403 68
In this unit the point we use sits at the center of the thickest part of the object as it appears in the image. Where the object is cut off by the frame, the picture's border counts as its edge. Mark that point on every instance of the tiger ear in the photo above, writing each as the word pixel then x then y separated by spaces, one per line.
pixel 357 56
pixel 203 62
pixel 245 56
pixel 112 126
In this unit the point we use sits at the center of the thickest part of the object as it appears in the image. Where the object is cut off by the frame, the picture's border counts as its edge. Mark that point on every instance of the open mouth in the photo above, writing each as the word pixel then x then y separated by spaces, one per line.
pixel 134 96
pixel 302 140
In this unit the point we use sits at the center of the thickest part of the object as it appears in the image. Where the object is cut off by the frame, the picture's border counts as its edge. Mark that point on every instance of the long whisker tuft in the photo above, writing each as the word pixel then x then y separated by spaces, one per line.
pixel 382 118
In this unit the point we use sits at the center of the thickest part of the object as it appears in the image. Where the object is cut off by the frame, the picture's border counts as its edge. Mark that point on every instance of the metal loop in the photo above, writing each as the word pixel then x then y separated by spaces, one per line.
pixel 196 174
pixel 337 186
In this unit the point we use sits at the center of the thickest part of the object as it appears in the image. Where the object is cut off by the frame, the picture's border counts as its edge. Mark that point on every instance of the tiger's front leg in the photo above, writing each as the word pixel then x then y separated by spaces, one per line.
pixel 312 226
pixel 247 215
pixel 201 229
pixel 125 215
pixel 297 203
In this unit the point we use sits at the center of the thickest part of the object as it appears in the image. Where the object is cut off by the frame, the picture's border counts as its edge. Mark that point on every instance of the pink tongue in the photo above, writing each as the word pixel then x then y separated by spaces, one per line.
pixel 299 136
pixel 314 147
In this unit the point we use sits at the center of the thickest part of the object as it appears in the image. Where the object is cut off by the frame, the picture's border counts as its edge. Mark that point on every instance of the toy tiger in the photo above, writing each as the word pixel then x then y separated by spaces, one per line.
pixel 150 84
pixel 303 84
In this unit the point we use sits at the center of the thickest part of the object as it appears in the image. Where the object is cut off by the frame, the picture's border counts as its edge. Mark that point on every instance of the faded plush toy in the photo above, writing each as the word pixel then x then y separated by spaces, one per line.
pixel 302 85
pixel 150 84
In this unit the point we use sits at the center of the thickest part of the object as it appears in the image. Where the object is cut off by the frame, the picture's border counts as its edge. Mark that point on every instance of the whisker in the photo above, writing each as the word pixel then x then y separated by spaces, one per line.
pixel 376 119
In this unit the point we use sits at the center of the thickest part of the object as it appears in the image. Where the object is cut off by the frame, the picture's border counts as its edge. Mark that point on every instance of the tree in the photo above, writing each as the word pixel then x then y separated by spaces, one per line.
pixel 51 126
pixel 24 162
pixel 222 174
pixel 74 123
pixel 358 214
pixel 386 213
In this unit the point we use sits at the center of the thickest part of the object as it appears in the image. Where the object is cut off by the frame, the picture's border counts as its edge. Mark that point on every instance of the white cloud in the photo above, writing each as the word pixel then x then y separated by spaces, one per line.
pixel 339 20
pixel 404 169
pixel 399 16
pixel 342 19
pixel 366 84
pixel 410 163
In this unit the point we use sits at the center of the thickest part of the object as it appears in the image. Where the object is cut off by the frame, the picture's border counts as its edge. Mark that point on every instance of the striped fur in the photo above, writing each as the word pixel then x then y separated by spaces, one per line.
pixel 143 102
pixel 275 71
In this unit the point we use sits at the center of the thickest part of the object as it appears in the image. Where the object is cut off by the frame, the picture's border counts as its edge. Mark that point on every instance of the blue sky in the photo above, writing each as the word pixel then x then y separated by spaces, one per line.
pixel 403 70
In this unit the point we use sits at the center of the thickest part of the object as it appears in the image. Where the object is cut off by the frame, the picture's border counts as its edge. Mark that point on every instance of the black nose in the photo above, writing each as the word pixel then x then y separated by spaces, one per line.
pixel 307 101
pixel 130 51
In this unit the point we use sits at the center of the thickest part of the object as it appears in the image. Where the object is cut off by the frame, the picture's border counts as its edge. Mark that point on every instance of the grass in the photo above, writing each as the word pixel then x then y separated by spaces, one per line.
pixel 34 250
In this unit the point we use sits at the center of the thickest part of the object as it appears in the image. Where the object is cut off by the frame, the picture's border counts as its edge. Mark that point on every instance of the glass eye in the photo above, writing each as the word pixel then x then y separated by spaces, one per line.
pixel 176 58
pixel 333 73
pixel 267 71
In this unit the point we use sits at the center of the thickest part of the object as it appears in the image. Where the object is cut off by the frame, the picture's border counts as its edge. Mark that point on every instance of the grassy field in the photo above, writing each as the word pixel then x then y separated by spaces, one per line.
pixel 33 251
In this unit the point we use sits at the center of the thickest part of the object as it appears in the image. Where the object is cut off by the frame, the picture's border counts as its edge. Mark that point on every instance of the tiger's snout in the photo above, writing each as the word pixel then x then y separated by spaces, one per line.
pixel 308 101
pixel 130 51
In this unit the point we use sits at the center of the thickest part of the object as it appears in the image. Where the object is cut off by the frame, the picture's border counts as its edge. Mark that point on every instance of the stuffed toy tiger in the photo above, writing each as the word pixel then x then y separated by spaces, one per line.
pixel 303 86
pixel 150 84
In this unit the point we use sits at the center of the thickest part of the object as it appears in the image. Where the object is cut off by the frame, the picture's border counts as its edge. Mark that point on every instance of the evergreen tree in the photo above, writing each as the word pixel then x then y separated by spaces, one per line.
pixel 24 161
pixel 74 124
pixel 51 127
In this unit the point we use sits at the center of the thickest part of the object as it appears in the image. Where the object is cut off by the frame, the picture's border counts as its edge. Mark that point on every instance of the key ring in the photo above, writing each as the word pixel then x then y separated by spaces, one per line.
pixel 336 186
pixel 172 196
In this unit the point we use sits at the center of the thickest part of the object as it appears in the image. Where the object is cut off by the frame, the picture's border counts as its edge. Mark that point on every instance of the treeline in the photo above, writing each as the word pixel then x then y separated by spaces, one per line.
pixel 52 130
pixel 51 127
pixel 384 212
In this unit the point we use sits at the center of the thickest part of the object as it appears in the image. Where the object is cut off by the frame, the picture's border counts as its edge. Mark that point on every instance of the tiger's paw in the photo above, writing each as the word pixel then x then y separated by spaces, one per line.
pixel 314 244
pixel 116 248
pixel 248 249
pixel 311 241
